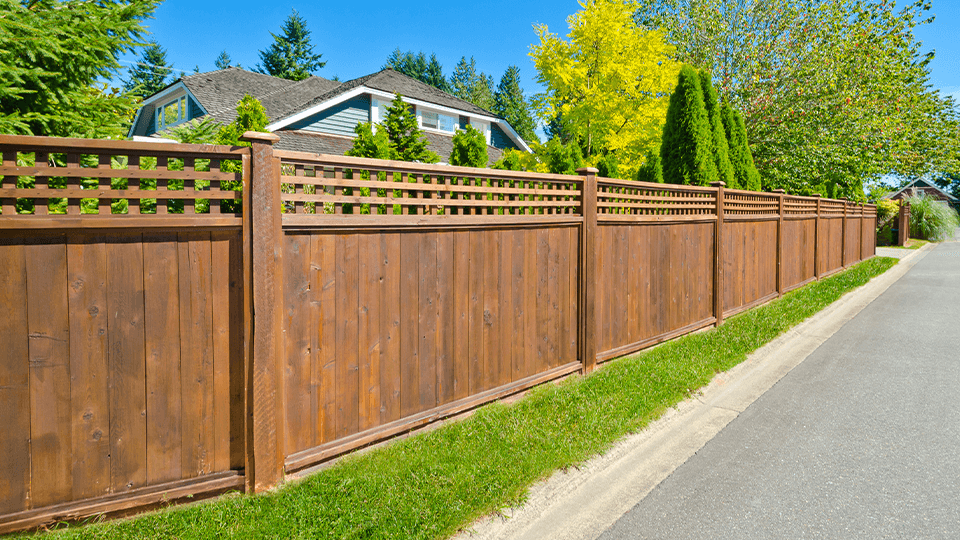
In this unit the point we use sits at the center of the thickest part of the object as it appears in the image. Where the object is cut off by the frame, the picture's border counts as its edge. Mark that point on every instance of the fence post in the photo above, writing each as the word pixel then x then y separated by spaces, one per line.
pixel 263 224
pixel 903 222
pixel 816 240
pixel 718 253
pixel 588 269
pixel 860 239
pixel 780 197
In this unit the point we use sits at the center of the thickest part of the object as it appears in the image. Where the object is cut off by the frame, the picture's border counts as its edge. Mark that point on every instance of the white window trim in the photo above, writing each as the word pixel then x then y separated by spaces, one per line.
pixel 183 105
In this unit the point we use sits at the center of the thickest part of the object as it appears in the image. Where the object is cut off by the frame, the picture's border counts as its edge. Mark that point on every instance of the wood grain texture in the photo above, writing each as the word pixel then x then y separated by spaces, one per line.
pixel 15 405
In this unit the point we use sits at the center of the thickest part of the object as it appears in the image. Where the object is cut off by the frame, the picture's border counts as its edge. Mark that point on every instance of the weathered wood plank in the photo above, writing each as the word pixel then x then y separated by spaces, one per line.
pixel 161 325
pixel 369 330
pixel 125 302
pixel 15 403
pixel 297 415
pixel 518 283
pixel 390 352
pixel 461 314
pixel 409 323
pixel 491 312
pixel 505 309
pixel 324 254
pixel 447 320
pixel 428 314
pixel 476 331
pixel 348 362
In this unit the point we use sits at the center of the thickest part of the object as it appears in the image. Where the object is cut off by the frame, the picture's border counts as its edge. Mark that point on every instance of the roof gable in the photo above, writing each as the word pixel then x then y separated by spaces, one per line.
pixel 923 185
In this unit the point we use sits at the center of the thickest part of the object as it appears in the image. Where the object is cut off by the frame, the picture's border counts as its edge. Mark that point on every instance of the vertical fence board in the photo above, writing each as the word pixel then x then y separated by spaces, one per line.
pixel 298 418
pixel 461 314
pixel 390 328
pixel 161 326
pixel 324 251
pixel 531 292
pixel 428 323
pixel 409 323
pixel 348 368
pixel 476 332
pixel 128 428
pixel 491 321
pixel 89 392
pixel 237 368
pixel 543 299
pixel 15 405
pixel 369 330
pixel 505 355
pixel 48 323
pixel 553 305
pixel 446 337
pixel 518 283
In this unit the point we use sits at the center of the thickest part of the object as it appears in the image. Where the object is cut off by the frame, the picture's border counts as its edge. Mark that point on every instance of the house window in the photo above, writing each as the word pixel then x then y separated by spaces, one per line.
pixel 437 121
pixel 172 113
pixel 482 127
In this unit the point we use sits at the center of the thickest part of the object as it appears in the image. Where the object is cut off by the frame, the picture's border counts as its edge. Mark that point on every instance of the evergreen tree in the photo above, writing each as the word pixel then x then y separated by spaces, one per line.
pixel 251 116
pixel 222 61
pixel 417 66
pixel 562 158
pixel 291 56
pixel 509 103
pixel 406 140
pixel 468 85
pixel 721 151
pixel 651 170
pixel 741 159
pixel 371 142
pixel 469 148
pixel 150 73
pixel 687 139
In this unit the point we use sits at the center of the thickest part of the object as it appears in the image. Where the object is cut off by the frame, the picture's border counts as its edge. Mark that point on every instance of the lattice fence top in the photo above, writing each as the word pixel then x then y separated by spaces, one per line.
pixel 332 185
pixel 749 203
pixel 832 208
pixel 624 199
pixel 116 179
pixel 799 206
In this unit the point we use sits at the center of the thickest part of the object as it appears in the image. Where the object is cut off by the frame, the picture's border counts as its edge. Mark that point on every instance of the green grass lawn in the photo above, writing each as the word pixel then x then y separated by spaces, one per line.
pixel 433 484
pixel 912 243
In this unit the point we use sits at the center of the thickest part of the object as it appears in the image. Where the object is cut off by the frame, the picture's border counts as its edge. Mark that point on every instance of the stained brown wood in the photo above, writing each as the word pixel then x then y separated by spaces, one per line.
pixel 476 315
pixel 409 323
pixel 348 361
pixel 161 292
pixel 446 318
pixel 369 330
pixel 461 314
pixel 15 403
pixel 325 257
pixel 491 313
pixel 299 432
pixel 429 323
pixel 390 383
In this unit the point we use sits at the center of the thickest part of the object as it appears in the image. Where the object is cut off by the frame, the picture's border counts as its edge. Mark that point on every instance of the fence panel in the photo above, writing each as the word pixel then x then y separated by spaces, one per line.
pixel 750 249
pixel 389 323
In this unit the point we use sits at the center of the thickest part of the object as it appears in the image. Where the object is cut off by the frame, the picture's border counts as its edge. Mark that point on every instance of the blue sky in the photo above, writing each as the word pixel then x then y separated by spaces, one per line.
pixel 355 38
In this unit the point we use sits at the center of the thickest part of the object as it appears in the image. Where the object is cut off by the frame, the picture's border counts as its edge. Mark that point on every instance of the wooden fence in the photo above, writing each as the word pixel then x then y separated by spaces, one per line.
pixel 183 320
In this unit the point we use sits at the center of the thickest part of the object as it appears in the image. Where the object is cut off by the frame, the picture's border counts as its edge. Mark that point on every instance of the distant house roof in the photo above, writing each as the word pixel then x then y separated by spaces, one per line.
pixel 924 185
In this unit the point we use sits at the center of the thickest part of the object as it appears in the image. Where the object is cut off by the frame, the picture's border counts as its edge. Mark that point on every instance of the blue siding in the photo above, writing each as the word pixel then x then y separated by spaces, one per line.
pixel 193 109
pixel 499 139
pixel 339 119
pixel 152 126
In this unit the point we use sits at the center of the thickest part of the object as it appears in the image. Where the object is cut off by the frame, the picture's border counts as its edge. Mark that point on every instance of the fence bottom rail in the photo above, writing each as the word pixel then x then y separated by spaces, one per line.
pixel 118 504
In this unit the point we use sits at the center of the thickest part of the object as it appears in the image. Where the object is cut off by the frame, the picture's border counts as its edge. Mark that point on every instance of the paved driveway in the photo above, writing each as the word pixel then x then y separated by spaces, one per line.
pixel 861 440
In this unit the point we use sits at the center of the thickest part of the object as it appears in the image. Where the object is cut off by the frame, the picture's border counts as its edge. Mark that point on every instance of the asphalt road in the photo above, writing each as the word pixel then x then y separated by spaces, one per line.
pixel 861 440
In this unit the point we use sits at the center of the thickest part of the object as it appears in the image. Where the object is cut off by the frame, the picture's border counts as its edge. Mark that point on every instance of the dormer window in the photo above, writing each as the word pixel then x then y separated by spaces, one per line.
pixel 172 113
pixel 437 121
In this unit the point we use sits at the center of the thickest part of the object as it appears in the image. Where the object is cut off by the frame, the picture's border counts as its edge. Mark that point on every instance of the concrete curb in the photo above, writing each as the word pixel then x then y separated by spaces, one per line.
pixel 582 503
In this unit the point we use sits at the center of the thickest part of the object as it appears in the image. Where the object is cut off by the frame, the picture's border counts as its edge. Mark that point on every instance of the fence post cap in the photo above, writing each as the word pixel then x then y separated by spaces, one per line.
pixel 719 183
pixel 584 171
pixel 251 136
pixel 781 190
pixel 817 195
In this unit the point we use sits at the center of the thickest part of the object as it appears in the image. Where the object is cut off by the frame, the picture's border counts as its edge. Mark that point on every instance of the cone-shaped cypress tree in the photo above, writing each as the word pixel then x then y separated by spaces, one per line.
pixel 721 152
pixel 651 170
pixel 685 152
pixel 744 170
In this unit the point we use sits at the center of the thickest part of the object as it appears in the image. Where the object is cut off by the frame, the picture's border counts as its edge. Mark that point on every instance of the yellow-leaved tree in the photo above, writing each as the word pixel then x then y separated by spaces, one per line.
pixel 608 83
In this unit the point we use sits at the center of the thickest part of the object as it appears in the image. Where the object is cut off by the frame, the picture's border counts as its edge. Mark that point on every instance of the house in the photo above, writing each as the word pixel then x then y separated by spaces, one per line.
pixel 928 188
pixel 319 115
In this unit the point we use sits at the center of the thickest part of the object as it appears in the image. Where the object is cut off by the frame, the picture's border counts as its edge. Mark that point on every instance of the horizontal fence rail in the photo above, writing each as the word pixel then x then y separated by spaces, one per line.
pixel 185 320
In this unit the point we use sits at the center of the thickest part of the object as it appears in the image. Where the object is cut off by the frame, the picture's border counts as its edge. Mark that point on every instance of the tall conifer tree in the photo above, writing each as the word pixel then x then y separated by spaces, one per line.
pixel 150 72
pixel 291 56
pixel 687 138
pixel 721 151
pixel 509 102
pixel 741 158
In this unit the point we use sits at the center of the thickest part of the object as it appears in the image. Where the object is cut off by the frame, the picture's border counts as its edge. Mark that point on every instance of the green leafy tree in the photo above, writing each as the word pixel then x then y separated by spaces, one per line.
pixel 370 143
pixel 150 73
pixel 686 152
pixel 741 159
pixel 510 104
pixel 833 92
pixel 291 55
pixel 652 169
pixel 469 148
pixel 51 56
pixel 203 131
pixel 721 150
pixel 469 85
pixel 223 60
pixel 251 116
pixel 418 67
pixel 407 142
pixel 607 82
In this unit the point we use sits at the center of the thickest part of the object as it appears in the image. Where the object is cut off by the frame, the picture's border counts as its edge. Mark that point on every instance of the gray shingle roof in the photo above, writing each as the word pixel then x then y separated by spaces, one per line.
pixel 219 91
pixel 388 80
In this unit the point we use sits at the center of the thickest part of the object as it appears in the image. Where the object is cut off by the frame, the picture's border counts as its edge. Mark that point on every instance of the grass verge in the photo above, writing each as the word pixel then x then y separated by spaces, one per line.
pixel 433 484
pixel 912 243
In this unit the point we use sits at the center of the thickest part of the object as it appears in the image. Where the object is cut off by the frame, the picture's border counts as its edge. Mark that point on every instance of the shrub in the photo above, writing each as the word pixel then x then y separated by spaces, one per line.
pixel 931 219
pixel 651 170
pixel 563 158
pixel 686 150
pixel 469 148
pixel 887 209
